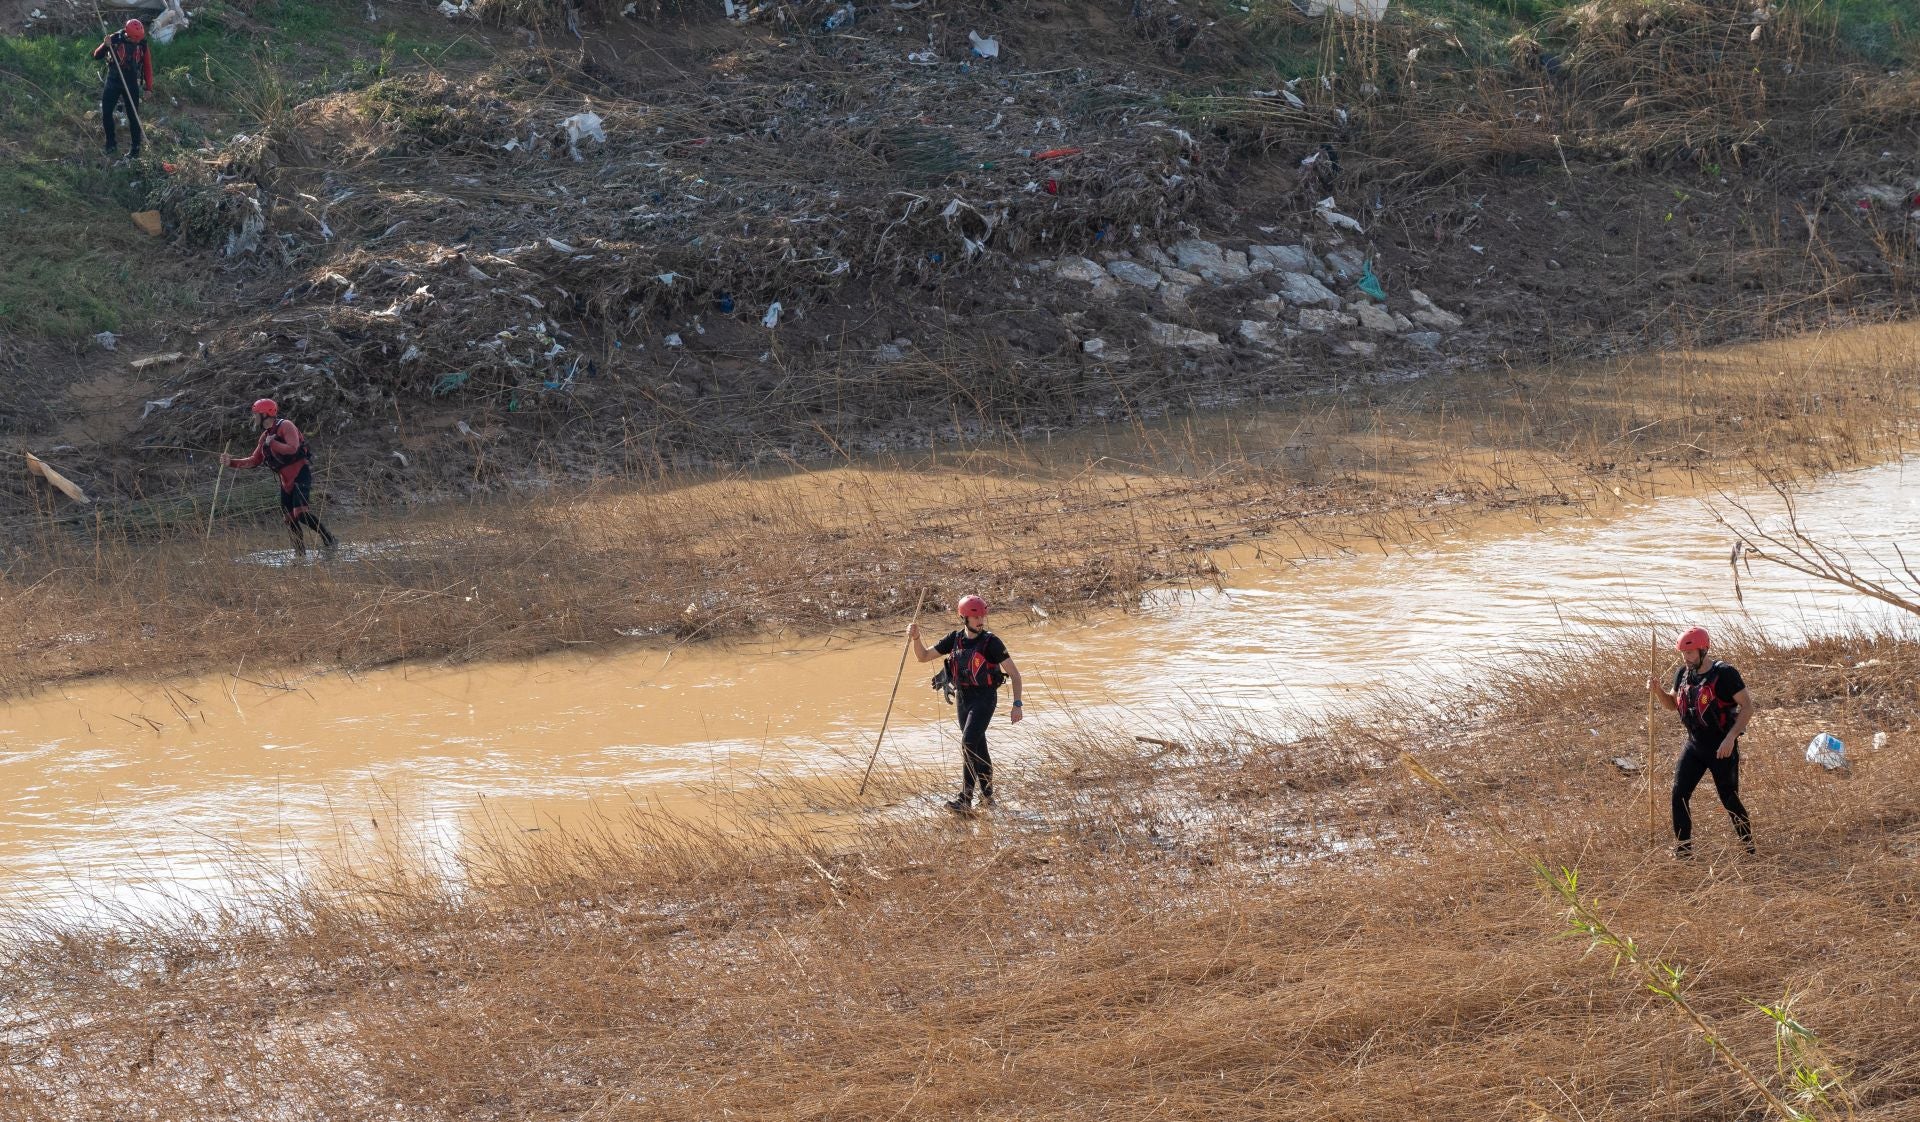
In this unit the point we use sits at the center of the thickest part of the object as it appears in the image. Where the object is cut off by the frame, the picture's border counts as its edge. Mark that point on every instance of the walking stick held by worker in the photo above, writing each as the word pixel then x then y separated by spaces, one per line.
pixel 905 647
pixel 1653 784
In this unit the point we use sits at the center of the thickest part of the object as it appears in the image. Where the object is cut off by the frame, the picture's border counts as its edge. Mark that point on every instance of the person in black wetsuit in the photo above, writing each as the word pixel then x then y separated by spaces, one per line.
pixel 976 664
pixel 129 70
pixel 1714 705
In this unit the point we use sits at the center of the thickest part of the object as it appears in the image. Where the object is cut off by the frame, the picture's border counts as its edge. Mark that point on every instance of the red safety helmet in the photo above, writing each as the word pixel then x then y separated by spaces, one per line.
pixel 1695 639
pixel 136 30
pixel 972 606
pixel 267 407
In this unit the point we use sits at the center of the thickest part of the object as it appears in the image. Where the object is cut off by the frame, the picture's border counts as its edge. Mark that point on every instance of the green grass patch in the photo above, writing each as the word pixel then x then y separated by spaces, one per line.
pixel 76 265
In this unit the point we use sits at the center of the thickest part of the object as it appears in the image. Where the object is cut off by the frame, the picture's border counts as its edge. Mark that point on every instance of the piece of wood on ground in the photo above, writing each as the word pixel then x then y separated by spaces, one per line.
pixel 157 360
pixel 149 222
pixel 61 483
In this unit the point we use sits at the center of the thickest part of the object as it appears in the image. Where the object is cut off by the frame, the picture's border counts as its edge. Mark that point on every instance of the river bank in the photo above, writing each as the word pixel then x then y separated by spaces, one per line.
pixel 1075 525
pixel 1220 929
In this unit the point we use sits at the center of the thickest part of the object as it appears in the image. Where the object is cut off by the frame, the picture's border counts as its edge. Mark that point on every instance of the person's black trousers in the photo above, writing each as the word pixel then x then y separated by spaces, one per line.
pixel 111 97
pixel 1696 762
pixel 974 709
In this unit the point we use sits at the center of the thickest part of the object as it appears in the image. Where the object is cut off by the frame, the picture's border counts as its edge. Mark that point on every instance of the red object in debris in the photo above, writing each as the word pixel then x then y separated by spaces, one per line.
pixel 1053 186
pixel 168 168
pixel 1056 153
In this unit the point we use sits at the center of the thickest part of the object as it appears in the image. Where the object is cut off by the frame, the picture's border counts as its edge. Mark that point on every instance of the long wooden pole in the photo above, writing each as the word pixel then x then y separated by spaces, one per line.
pixel 224 454
pixel 905 646
pixel 1653 785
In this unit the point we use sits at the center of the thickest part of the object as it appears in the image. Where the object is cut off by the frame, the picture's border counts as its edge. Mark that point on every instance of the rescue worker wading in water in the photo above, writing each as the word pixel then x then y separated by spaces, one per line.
pixel 1714 705
pixel 977 663
pixel 283 449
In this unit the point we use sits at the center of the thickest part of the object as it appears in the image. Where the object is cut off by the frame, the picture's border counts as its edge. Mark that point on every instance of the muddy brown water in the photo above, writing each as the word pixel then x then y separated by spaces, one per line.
pixel 139 798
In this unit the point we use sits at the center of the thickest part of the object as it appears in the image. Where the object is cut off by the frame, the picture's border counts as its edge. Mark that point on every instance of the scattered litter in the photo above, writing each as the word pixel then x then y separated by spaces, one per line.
pixel 465 8
pixel 668 279
pixel 843 16
pixel 1879 741
pixel 772 318
pixel 1626 765
pixel 107 340
pixel 466 430
pixel 983 48
pixel 449 382
pixel 67 487
pixel 923 58
pixel 1334 218
pixel 159 403
pixel 1828 751
pixel 402 457
pixel 1056 153
pixel 149 223
pixel 559 246
pixel 1093 346
pixel 583 126
pixel 1370 284
pixel 674 340
pixel 173 21
pixel 156 360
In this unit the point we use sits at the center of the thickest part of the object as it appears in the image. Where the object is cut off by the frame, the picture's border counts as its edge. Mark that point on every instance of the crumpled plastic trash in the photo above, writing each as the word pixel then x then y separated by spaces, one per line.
pixel 170 23
pixel 1370 284
pixel 772 318
pixel 1827 751
pixel 923 58
pixel 465 8
pixel 162 403
pixel 841 17
pixel 583 126
pixel 1332 217
pixel 983 47
pixel 107 340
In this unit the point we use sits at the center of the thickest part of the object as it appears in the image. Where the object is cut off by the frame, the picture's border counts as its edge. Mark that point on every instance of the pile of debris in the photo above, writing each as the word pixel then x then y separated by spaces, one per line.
pixel 501 239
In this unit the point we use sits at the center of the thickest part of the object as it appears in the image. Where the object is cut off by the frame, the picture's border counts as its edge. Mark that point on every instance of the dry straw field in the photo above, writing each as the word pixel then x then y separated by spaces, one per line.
pixel 1224 927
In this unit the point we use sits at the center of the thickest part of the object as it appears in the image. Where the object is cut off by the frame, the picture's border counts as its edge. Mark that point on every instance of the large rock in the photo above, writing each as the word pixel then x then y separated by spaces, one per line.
pixel 1321 319
pixel 1375 318
pixel 1431 314
pixel 1257 332
pixel 1134 273
pixel 1301 289
pixel 1079 269
pixel 1173 335
pixel 1270 308
pixel 1179 276
pixel 1356 347
pixel 1282 259
pixel 1347 264
pixel 1220 266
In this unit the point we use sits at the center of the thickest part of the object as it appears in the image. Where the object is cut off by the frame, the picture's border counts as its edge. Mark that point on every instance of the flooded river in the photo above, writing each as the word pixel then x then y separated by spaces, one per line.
pixel 144 797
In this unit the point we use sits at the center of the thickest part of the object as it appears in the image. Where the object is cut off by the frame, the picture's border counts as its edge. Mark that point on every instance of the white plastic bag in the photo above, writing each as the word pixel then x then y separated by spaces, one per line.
pixel 1827 751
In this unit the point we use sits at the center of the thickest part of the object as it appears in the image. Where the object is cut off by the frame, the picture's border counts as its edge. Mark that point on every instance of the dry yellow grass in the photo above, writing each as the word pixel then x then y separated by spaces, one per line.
pixel 1235 928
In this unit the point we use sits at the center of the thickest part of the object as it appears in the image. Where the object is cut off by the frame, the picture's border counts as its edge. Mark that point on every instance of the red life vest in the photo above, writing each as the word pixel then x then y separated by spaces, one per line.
pixel 968 667
pixel 277 462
